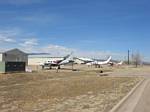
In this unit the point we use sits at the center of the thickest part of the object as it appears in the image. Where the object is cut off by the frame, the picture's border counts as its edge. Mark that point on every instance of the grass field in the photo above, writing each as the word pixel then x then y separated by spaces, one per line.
pixel 48 91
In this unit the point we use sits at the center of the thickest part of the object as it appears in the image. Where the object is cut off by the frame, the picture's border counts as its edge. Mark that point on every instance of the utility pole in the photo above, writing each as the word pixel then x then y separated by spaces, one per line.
pixel 128 57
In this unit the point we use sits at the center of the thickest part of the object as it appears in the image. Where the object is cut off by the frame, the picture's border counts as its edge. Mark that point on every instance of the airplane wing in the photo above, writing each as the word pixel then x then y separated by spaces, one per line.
pixel 66 62
pixel 104 62
pixel 85 60
pixel 65 59
pixel 38 53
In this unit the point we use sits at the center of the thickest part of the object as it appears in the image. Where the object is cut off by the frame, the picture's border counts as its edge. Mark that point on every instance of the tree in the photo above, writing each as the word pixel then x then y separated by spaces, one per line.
pixel 137 59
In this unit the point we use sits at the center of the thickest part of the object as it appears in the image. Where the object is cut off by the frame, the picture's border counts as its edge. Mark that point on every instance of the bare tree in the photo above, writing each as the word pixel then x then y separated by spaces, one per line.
pixel 137 59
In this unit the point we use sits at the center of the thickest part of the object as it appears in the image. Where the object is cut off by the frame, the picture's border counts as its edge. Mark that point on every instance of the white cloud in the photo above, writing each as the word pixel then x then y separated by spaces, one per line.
pixel 10 32
pixel 56 50
pixel 16 38
pixel 57 47
pixel 98 54
pixel 4 39
pixel 8 36
pixel 29 45
pixel 29 42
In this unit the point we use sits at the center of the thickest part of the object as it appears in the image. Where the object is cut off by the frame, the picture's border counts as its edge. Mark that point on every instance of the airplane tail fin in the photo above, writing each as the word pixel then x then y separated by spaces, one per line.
pixel 120 63
pixel 66 57
pixel 108 60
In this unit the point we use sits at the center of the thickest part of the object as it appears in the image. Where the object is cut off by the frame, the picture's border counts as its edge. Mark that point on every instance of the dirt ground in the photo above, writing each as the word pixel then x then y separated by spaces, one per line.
pixel 85 90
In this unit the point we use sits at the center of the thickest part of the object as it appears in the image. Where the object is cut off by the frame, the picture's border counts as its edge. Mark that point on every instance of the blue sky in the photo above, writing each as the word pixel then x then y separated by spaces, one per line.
pixel 95 28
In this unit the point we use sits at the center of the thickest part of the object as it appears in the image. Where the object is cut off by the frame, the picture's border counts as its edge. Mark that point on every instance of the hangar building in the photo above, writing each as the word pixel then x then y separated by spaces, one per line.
pixel 39 60
pixel 13 60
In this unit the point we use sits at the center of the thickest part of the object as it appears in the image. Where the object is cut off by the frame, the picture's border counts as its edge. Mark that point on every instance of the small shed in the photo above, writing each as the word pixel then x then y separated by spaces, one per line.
pixel 13 60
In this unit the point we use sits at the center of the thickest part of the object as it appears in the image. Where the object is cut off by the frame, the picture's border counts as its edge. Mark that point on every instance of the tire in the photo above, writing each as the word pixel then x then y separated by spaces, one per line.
pixel 50 67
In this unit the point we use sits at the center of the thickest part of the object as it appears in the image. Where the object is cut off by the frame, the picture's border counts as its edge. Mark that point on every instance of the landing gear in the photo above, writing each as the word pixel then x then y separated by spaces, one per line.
pixel 42 67
pixel 98 66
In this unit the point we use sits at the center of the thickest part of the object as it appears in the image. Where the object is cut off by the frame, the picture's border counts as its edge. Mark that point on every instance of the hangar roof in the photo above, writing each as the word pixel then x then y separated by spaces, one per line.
pixel 13 50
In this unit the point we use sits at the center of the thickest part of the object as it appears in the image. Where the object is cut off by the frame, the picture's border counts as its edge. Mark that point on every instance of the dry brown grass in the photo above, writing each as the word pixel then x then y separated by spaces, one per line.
pixel 49 91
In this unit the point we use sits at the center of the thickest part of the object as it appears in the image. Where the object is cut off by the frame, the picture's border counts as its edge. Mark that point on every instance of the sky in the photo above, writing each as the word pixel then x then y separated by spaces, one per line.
pixel 89 28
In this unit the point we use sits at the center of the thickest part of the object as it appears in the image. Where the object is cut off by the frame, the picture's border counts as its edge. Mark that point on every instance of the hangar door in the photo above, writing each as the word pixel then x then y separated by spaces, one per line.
pixel 15 66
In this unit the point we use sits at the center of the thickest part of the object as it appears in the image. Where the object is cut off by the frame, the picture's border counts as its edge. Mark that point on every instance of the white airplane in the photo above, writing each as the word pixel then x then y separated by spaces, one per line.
pixel 57 62
pixel 99 63
pixel 116 64
pixel 120 63
pixel 84 60
pixel 90 62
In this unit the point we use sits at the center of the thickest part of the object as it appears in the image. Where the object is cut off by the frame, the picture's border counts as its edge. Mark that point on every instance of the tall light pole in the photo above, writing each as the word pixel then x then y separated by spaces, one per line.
pixel 128 57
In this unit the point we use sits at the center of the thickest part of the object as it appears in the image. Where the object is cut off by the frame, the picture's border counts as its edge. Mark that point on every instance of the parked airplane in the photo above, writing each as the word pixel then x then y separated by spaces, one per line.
pixel 90 62
pixel 83 60
pixel 120 63
pixel 57 62
pixel 116 64
pixel 99 63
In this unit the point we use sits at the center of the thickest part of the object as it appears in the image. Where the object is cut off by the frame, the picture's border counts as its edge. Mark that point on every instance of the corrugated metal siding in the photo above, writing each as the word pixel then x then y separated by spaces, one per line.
pixel 1 57
pixel 36 61
pixel 39 60
pixel 2 67
pixel 15 56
